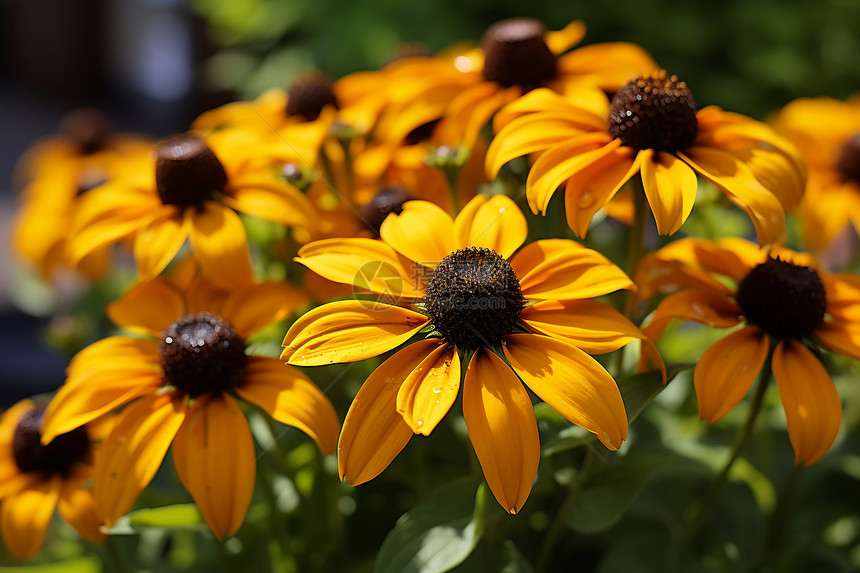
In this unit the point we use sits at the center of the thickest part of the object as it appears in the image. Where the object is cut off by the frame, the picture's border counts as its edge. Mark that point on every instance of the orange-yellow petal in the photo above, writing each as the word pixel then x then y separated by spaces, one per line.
pixel 373 431
pixel 149 307
pixel 368 264
pixel 280 203
pixel 696 306
pixel 220 244
pixel 347 331
pixel 573 383
pixel 132 453
pixel 290 398
pixel 252 309
pixel 214 457
pixel 670 186
pixel 609 64
pixel 25 517
pixel 77 505
pixel 423 233
pixel 560 269
pixel 727 370
pixel 430 389
pixel 492 222
pixel 812 407
pixel 157 243
pixel 502 428
pixel 840 336
pixel 559 41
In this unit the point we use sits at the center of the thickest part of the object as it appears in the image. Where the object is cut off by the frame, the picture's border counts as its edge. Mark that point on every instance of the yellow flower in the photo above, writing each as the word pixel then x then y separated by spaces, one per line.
pixel 186 191
pixel 827 132
pixel 524 318
pixel 180 385
pixel 35 479
pixel 592 147
pixel 786 306
pixel 55 173
pixel 515 56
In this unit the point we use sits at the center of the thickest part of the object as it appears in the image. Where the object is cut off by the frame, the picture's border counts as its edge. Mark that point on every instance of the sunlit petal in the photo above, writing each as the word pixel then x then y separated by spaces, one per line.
pixel 220 244
pixel 25 517
pixel 492 222
pixel 695 306
pixel 430 389
pixel 423 233
pixel 670 186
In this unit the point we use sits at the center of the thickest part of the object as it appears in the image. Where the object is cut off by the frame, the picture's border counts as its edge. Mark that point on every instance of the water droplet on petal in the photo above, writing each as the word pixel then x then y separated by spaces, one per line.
pixel 586 200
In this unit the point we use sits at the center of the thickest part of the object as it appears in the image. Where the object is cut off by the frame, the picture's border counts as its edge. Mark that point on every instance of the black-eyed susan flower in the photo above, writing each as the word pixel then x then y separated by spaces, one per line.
pixel 186 192
pixel 518 55
pixel 651 127
pixel 520 316
pixel 37 478
pixel 787 307
pixel 827 133
pixel 181 385
pixel 55 173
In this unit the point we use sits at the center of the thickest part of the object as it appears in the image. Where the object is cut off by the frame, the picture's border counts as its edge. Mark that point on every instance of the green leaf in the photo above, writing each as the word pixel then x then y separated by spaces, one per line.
pixel 77 565
pixel 179 516
pixel 638 390
pixel 436 535
pixel 609 491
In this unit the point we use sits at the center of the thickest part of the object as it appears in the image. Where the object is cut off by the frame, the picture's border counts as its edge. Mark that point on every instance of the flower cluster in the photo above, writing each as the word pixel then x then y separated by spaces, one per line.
pixel 380 214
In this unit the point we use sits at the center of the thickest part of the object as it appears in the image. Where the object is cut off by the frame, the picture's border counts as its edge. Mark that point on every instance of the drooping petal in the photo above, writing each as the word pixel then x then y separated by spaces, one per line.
pixel 840 336
pixel 560 269
pixel 729 173
pixel 573 383
pixel 727 370
pixel 250 310
pixel 693 305
pixel 373 431
pixel 280 203
pixel 670 186
pixel 609 64
pixel 843 296
pixel 149 307
pixel 290 398
pixel 366 263
pixel 77 505
pixel 591 326
pixel 156 243
pixel 430 389
pixel 347 331
pixel 220 244
pixel 132 453
pixel 25 517
pixel 812 407
pixel 422 233
pixel 502 428
pixel 492 222
pixel 214 457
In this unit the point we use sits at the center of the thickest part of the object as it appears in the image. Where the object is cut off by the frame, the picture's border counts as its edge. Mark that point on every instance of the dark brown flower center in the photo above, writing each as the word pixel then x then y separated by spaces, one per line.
pixel 309 95
pixel 784 299
pixel 88 128
pixel 421 133
pixel 388 200
pixel 57 457
pixel 654 112
pixel 849 159
pixel 187 172
pixel 515 54
pixel 474 298
pixel 202 353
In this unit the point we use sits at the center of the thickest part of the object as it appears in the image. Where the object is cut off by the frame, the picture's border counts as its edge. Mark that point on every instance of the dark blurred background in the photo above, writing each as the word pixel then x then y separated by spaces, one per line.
pixel 153 65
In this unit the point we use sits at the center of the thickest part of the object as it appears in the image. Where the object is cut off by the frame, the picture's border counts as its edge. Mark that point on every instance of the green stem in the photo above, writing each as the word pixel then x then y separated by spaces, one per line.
pixel 452 176
pixel 637 240
pixel 115 556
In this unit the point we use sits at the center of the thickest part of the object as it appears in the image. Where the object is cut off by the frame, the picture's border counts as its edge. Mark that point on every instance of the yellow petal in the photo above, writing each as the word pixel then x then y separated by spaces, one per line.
pixel 373 431
pixel 149 307
pixel 214 457
pixel 610 64
pixel 492 222
pixel 597 183
pixel 275 202
pixel 812 407
pixel 25 517
pixel 583 114
pixel 560 269
pixel 366 263
pixel 157 243
pixel 77 505
pixel 252 309
pixel 696 306
pixel 220 244
pixel 559 41
pixel 132 453
pixel 423 233
pixel 430 389
pixel 729 173
pixel 843 296
pixel 502 428
pixel 347 331
pixel 573 383
pixel 840 336
pixel 726 371
pixel 670 186
pixel 290 398
pixel 591 326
